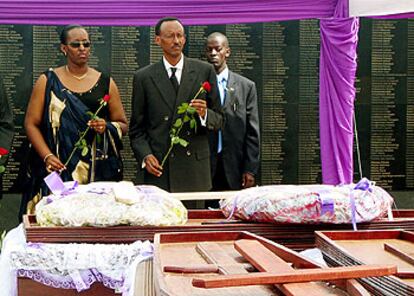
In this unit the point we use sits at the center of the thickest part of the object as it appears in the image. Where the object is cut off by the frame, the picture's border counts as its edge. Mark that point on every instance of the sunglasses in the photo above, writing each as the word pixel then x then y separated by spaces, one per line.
pixel 77 44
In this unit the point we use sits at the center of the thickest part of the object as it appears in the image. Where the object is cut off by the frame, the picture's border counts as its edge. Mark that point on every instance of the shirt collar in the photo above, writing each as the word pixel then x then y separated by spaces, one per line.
pixel 179 65
pixel 224 74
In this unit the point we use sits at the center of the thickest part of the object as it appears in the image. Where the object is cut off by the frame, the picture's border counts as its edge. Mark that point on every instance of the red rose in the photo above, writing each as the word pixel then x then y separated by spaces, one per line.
pixel 3 151
pixel 206 86
pixel 106 98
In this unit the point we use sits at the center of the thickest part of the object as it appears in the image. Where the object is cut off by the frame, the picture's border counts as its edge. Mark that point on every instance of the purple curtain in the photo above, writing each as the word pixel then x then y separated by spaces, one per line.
pixel 339 38
pixel 139 13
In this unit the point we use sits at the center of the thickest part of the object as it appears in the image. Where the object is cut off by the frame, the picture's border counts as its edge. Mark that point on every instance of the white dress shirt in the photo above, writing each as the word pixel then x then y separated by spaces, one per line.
pixel 179 66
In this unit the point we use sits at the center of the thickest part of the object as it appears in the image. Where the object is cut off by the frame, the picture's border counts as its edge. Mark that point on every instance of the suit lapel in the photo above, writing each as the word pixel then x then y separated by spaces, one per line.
pixel 188 77
pixel 230 91
pixel 161 81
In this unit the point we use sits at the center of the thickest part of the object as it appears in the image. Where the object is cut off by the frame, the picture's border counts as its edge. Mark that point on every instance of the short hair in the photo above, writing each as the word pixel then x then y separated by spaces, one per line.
pixel 163 20
pixel 220 35
pixel 65 32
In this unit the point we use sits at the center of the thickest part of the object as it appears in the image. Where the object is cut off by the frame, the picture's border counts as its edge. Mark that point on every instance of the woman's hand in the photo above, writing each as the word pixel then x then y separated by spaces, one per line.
pixel 53 163
pixel 99 125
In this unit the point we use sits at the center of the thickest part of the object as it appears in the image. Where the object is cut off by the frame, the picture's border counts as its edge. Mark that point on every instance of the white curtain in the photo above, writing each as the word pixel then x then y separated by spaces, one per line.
pixel 379 7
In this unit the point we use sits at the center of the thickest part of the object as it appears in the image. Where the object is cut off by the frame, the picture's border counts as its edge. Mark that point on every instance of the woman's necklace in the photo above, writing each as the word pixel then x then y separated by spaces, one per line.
pixel 75 76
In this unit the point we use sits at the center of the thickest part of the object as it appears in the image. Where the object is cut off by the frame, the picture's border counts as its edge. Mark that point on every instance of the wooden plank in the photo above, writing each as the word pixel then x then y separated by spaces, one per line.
pixel 266 261
pixel 213 253
pixel 297 276
pixel 300 262
pixel 356 289
pixel 397 252
pixel 211 268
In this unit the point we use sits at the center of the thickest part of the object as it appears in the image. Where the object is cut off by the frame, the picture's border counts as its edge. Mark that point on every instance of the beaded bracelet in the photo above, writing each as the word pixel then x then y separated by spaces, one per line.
pixel 47 156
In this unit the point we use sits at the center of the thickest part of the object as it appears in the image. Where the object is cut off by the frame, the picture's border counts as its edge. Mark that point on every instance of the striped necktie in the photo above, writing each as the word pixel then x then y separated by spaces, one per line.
pixel 174 80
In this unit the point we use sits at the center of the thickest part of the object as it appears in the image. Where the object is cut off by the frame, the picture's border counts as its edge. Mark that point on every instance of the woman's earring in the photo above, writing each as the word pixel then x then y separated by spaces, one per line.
pixel 64 53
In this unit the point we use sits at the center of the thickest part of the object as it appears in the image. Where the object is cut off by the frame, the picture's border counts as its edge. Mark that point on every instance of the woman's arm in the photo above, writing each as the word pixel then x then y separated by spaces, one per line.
pixel 33 122
pixel 116 110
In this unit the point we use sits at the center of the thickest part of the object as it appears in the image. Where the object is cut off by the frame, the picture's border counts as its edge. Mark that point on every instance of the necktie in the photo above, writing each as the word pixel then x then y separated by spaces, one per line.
pixel 223 84
pixel 174 80
pixel 222 89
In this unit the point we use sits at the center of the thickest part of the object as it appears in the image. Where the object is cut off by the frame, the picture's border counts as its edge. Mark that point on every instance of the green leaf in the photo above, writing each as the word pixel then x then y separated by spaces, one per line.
pixel 181 110
pixel 191 110
pixel 175 140
pixel 186 118
pixel 178 123
pixel 183 142
pixel 91 115
pixel 2 169
pixel 85 151
pixel 84 143
pixel 193 123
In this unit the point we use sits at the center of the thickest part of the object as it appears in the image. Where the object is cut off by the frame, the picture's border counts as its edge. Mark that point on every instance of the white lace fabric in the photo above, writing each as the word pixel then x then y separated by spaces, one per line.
pixel 63 259
pixel 70 266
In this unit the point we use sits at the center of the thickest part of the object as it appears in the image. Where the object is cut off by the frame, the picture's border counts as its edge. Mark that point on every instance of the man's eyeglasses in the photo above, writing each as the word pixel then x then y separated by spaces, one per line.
pixel 77 44
pixel 172 36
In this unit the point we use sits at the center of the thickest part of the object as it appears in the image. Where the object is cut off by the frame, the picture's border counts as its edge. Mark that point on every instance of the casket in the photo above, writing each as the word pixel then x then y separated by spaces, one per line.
pixel 294 236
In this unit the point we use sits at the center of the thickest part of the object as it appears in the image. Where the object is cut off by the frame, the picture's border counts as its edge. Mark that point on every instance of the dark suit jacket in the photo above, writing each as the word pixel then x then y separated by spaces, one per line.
pixel 154 110
pixel 241 133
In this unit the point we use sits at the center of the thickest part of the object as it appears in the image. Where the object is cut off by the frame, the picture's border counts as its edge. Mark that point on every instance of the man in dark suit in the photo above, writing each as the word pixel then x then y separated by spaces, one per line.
pixel 158 90
pixel 235 149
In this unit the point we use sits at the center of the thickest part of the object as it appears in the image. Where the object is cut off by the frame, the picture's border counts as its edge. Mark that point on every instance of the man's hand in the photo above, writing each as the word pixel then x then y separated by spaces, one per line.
pixel 247 180
pixel 200 106
pixel 152 165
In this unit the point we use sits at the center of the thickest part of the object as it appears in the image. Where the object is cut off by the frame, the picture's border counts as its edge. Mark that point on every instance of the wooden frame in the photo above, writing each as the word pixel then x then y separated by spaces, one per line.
pixel 295 236
pixel 181 248
pixel 346 248
pixel 28 287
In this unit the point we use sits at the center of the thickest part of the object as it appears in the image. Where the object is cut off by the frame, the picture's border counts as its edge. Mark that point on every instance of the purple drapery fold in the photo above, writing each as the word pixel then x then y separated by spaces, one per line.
pixel 338 63
pixel 143 13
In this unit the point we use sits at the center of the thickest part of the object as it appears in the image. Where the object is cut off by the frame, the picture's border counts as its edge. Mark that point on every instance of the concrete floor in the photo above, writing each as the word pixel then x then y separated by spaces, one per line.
pixel 9 207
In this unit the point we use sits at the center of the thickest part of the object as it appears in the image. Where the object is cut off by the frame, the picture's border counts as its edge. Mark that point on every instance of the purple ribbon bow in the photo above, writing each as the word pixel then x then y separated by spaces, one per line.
pixel 57 187
pixel 365 185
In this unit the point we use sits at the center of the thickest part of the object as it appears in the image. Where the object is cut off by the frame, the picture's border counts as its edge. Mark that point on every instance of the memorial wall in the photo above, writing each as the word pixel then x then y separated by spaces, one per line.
pixel 282 58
